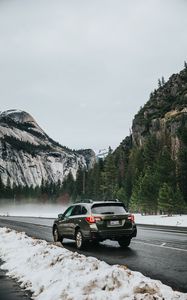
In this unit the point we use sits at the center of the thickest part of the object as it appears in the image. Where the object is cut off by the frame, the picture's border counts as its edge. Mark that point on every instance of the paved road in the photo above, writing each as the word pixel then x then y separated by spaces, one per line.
pixel 10 289
pixel 158 252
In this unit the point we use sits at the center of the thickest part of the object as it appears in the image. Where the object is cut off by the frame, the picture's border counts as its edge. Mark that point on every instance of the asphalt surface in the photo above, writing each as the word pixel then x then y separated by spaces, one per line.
pixel 10 289
pixel 158 252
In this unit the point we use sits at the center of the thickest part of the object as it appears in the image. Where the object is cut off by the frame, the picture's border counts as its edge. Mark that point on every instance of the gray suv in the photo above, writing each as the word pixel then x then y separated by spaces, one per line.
pixel 91 221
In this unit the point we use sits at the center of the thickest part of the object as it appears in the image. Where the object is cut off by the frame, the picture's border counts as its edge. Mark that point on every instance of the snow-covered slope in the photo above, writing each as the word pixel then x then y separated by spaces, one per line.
pixel 28 154
pixel 54 273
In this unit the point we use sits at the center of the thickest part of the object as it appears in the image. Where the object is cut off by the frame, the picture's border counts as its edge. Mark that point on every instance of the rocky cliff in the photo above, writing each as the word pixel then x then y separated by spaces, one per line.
pixel 28 156
pixel 164 115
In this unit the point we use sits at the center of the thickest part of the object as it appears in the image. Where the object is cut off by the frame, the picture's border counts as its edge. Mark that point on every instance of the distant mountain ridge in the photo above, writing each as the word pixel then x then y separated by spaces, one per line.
pixel 28 156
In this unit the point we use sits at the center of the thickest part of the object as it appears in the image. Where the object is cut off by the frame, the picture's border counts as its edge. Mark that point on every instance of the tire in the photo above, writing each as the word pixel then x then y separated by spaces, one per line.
pixel 56 236
pixel 124 243
pixel 79 240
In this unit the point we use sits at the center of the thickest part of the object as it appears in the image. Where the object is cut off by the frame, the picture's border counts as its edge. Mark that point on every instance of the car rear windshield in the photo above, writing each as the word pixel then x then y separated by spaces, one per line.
pixel 108 208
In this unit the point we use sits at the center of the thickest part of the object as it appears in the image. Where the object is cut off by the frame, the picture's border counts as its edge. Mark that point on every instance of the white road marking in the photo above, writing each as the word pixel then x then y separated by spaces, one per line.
pixel 160 246
pixel 163 244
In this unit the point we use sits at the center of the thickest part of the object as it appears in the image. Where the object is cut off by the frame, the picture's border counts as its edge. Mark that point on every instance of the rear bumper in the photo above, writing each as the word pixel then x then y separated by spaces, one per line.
pixel 112 234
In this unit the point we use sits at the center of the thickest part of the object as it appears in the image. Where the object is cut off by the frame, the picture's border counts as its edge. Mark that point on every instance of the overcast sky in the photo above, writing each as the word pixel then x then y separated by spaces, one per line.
pixel 83 68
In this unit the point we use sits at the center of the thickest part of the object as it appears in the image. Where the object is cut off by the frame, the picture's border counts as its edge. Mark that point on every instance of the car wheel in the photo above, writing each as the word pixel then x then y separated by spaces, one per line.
pixel 56 236
pixel 124 243
pixel 79 240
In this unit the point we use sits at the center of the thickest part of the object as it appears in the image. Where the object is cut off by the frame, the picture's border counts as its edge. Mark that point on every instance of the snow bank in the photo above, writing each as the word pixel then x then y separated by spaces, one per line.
pixel 52 273
pixel 175 220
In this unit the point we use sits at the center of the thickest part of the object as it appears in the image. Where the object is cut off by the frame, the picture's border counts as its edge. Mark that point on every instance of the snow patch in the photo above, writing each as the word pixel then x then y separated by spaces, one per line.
pixel 175 220
pixel 52 273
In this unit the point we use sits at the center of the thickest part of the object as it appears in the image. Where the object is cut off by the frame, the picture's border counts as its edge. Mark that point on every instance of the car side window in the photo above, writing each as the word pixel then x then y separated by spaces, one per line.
pixel 84 211
pixel 76 210
pixel 68 211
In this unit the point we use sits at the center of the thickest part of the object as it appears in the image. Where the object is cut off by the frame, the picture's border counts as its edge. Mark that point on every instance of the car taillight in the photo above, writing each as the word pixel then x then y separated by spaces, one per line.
pixel 92 219
pixel 131 218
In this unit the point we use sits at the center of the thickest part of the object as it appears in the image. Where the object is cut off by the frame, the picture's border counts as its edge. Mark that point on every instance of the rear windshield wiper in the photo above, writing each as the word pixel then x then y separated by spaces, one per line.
pixel 107 213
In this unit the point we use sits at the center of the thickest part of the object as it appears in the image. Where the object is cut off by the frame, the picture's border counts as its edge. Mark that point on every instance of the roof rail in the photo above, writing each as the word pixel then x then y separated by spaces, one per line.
pixel 85 201
pixel 112 200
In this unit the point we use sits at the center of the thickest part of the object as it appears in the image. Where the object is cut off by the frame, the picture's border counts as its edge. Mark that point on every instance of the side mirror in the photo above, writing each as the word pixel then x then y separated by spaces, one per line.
pixel 60 216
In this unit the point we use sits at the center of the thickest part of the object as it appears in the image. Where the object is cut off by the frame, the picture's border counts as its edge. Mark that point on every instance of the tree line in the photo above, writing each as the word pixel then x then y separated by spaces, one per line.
pixel 147 179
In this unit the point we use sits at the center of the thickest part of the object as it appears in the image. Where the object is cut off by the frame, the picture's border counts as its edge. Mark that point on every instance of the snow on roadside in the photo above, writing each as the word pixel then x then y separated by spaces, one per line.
pixel 175 220
pixel 53 273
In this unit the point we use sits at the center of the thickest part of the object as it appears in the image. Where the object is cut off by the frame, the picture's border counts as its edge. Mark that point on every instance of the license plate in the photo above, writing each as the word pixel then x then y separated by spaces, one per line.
pixel 114 223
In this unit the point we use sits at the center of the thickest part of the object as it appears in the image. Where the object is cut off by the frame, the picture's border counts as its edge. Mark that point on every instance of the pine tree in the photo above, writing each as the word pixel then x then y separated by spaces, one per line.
pixel 163 81
pixel 95 185
pixel 179 203
pixel 159 83
pixel 148 192
pixel 134 205
pixel 165 168
pixel 166 199
pixel 182 171
pixel 150 151
pixel 109 176
pixel 80 183
pixel 120 194
pixel 134 169
pixel 70 185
